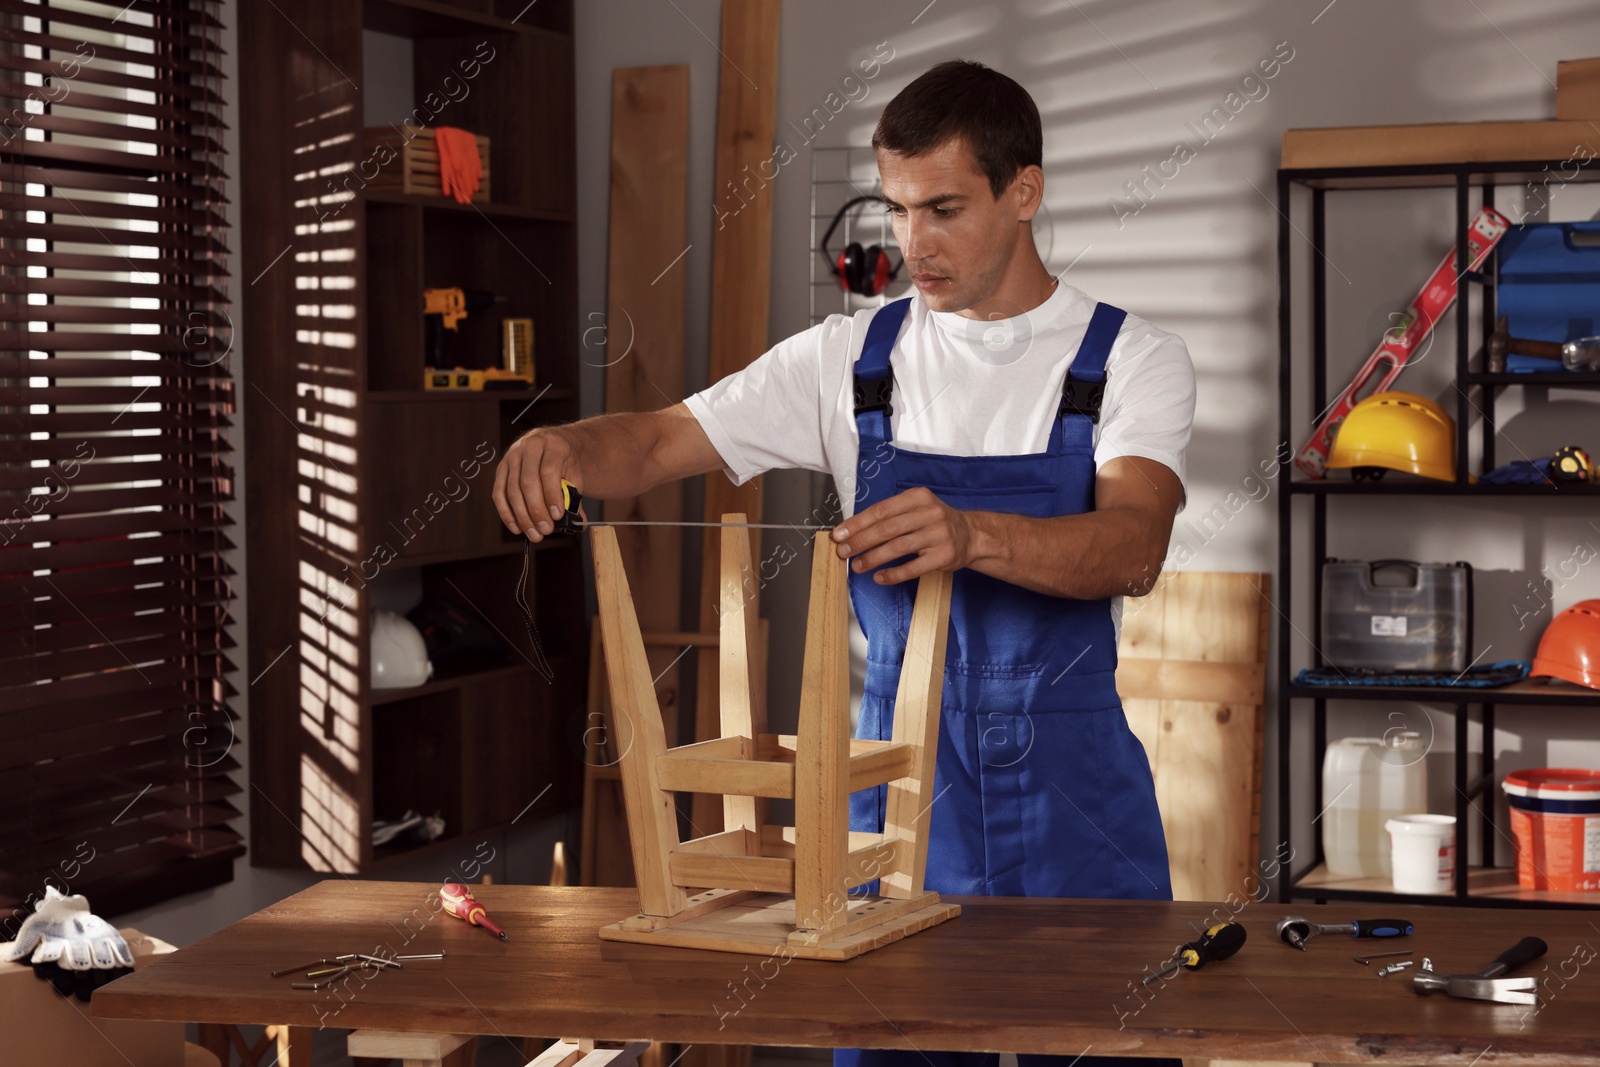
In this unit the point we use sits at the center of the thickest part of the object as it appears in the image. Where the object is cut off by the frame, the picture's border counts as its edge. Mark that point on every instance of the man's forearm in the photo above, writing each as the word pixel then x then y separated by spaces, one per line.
pixel 617 453
pixel 1111 552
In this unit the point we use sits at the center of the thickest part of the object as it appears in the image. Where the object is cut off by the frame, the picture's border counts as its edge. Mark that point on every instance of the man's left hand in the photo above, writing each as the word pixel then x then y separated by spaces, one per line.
pixel 913 523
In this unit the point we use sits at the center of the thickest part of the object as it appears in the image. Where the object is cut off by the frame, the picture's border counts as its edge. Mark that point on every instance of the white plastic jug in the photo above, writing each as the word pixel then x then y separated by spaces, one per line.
pixel 1366 781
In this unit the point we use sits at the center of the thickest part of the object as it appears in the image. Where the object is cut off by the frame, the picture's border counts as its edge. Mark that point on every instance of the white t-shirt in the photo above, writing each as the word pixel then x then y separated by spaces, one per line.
pixel 963 387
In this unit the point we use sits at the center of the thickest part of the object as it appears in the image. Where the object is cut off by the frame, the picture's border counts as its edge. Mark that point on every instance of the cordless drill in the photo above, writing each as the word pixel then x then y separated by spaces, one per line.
pixel 443 309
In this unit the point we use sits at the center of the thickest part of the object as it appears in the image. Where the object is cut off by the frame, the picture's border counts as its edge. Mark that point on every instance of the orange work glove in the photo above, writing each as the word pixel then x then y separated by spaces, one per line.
pixel 460 166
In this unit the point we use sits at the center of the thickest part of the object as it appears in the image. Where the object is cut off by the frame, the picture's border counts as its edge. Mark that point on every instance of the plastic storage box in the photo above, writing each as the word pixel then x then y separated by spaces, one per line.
pixel 1547 278
pixel 1396 615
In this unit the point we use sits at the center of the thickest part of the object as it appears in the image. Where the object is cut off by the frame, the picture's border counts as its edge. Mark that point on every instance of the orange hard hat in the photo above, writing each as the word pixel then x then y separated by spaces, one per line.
pixel 1570 647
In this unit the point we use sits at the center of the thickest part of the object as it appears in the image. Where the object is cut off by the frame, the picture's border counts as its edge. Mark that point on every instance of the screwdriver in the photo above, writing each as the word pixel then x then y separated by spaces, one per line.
pixel 1217 943
pixel 459 901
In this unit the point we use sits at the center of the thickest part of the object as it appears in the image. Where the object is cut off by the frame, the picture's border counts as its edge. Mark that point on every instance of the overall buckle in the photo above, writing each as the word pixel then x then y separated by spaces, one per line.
pixel 1082 398
pixel 873 394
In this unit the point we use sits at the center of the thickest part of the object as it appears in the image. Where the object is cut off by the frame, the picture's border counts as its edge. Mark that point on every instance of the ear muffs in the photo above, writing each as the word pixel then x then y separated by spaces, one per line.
pixel 864 271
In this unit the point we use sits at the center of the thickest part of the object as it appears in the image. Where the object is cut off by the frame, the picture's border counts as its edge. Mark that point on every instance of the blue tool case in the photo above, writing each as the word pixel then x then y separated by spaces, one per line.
pixel 1548 280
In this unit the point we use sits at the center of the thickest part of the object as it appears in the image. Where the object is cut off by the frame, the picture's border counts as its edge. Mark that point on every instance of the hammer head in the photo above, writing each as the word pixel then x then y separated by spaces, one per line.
pixel 1293 930
pixel 1494 357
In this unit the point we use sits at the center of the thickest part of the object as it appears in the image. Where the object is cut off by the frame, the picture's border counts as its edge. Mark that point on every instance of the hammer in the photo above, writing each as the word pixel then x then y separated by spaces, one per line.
pixel 1501 342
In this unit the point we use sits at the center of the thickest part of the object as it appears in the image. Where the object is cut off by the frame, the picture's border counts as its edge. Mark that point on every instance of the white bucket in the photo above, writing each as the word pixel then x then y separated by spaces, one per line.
pixel 1424 853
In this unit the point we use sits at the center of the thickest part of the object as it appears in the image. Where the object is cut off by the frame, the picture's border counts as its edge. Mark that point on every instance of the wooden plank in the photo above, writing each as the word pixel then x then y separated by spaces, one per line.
pixel 1035 975
pixel 738 842
pixel 743 705
pixel 652 818
pixel 726 748
pixel 884 762
pixel 1175 679
pixel 689 774
pixel 762 874
pixel 741 282
pixel 1199 639
pixel 400 1045
pixel 1578 90
pixel 909 808
pixel 703 903
pixel 605 854
pixel 764 931
pixel 645 316
pixel 821 799
pixel 1447 142
pixel 779 840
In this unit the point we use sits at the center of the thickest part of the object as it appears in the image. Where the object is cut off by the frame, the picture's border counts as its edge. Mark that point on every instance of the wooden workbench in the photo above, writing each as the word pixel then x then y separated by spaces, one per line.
pixel 1050 976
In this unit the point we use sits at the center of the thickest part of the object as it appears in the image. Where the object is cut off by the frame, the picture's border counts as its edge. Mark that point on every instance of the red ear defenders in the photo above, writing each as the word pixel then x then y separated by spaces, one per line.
pixel 865 271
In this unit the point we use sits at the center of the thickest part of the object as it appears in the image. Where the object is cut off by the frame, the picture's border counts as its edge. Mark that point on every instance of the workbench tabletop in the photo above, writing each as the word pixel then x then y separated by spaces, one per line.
pixel 1010 974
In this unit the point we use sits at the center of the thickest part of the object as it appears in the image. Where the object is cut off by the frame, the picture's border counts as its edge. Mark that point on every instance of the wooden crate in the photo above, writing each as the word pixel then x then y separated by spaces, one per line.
pixel 415 165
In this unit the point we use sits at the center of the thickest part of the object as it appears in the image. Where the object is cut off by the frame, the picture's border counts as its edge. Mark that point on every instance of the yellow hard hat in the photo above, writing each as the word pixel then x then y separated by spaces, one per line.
pixel 1400 431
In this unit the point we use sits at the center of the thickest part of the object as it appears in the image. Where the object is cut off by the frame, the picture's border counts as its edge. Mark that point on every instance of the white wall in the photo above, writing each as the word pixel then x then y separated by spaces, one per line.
pixel 1117 82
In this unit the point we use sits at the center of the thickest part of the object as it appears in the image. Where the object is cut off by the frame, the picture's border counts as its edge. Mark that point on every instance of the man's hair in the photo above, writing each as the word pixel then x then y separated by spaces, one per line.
pixel 960 99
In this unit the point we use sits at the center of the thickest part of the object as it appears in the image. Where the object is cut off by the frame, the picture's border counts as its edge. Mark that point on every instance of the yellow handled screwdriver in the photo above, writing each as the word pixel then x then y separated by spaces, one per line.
pixel 1217 943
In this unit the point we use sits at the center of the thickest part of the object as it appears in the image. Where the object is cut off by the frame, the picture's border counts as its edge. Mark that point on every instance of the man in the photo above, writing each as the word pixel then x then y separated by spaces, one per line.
pixel 960 441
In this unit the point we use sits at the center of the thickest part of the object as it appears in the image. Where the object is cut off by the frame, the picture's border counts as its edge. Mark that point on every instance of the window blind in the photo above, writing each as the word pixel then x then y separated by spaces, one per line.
pixel 116 731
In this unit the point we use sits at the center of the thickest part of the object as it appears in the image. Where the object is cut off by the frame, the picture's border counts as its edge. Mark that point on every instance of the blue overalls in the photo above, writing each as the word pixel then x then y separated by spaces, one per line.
pixel 1040 789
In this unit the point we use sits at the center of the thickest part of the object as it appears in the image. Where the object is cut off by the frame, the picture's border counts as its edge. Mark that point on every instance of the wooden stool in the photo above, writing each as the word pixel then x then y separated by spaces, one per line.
pixel 783 889
pixel 412 1050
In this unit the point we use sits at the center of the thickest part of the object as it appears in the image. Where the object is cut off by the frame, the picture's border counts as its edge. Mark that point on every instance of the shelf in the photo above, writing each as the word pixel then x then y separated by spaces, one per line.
pixel 414 396
pixel 1432 488
pixel 1486 887
pixel 1430 175
pixel 488 209
pixel 549 544
pixel 448 682
pixel 429 18
pixel 1573 379
pixel 1527 691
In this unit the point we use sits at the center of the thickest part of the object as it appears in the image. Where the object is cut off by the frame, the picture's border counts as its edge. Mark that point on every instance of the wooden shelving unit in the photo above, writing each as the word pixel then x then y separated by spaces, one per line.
pixel 1476 395
pixel 356 474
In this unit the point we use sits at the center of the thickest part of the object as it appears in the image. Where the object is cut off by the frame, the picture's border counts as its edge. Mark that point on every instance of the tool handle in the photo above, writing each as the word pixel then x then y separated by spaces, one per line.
pixel 572 521
pixel 1525 951
pixel 1380 928
pixel 1218 943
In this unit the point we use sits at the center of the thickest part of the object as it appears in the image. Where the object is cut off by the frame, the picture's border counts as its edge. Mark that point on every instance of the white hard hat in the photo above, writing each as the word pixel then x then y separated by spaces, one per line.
pixel 399 657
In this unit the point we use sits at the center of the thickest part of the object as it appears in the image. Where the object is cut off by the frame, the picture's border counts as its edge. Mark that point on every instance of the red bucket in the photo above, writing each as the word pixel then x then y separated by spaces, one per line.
pixel 1555 818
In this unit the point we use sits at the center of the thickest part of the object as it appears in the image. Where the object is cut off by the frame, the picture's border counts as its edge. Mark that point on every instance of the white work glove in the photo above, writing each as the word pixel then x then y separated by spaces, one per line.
pixel 62 931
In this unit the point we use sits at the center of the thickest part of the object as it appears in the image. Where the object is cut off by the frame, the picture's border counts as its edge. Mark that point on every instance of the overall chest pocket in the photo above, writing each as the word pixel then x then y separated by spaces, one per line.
pixel 1036 501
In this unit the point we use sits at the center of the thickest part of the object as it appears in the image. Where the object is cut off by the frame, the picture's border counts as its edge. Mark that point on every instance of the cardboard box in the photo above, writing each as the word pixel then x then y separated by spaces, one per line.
pixel 1578 89
pixel 1444 142
pixel 43 1027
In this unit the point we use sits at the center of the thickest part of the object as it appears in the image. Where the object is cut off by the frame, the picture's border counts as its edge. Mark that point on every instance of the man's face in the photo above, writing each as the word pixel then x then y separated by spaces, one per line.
pixel 958 239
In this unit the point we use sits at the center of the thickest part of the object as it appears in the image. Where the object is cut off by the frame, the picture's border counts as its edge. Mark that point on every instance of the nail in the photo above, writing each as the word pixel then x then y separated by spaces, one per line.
pixel 555 512
pixel 545 527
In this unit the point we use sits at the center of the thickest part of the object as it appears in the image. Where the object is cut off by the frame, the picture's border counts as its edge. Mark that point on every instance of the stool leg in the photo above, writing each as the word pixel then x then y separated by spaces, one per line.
pixel 916 719
pixel 744 712
pixel 822 751
pixel 652 816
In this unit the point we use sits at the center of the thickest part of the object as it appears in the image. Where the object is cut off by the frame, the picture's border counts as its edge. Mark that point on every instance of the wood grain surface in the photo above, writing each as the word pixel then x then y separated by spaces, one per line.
pixel 1027 975
pixel 1191 666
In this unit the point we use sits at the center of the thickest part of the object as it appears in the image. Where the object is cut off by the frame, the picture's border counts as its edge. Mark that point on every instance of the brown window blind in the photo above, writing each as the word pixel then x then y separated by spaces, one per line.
pixel 116 762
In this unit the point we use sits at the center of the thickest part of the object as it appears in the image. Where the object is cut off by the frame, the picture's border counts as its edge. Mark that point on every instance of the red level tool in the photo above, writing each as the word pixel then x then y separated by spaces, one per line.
pixel 1400 342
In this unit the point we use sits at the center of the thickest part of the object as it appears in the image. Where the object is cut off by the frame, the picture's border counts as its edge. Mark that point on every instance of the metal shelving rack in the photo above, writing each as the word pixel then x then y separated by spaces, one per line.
pixel 1485 886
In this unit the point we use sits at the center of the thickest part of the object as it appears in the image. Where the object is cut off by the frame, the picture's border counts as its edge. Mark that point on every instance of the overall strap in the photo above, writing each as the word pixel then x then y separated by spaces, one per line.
pixel 874 381
pixel 1086 381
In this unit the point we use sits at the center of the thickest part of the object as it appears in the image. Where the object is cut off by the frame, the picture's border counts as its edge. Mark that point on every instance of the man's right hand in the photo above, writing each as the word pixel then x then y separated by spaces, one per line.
pixel 527 483
pixel 606 457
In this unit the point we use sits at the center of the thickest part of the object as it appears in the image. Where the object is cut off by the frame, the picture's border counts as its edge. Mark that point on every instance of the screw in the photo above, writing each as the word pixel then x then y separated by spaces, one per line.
pixel 1394 968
